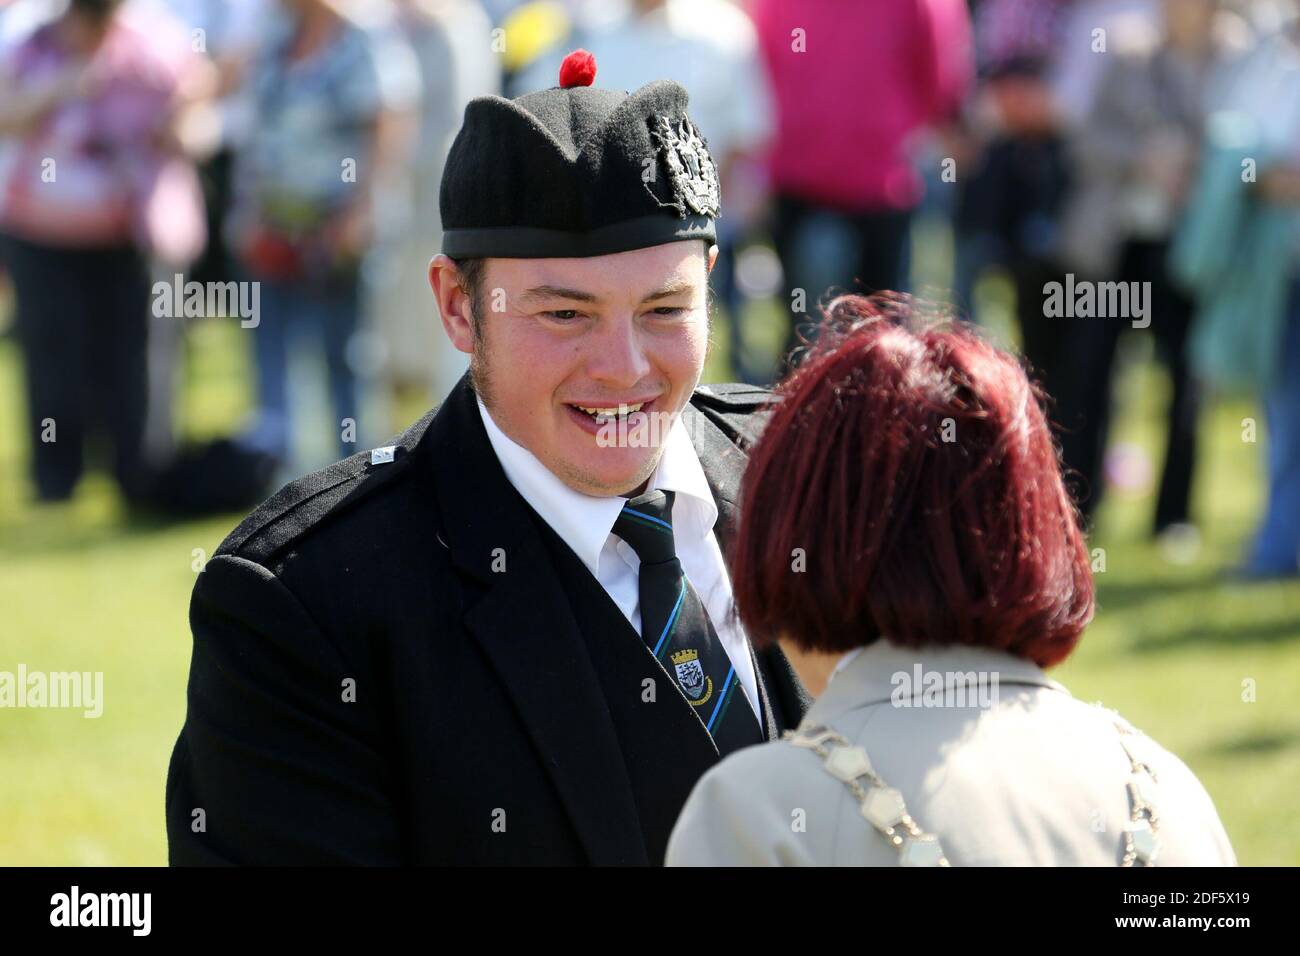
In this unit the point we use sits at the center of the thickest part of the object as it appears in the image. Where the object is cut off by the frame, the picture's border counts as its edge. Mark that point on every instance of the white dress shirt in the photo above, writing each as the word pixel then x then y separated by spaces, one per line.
pixel 585 524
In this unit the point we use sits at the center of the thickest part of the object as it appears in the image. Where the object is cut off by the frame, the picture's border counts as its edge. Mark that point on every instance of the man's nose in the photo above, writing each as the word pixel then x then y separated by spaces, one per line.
pixel 618 355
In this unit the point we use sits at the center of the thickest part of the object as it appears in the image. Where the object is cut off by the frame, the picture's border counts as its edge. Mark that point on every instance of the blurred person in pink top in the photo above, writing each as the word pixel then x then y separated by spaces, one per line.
pixel 89 190
pixel 853 84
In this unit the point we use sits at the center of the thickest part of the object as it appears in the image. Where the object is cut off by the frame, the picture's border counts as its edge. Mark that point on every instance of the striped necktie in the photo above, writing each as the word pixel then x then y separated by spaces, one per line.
pixel 677 629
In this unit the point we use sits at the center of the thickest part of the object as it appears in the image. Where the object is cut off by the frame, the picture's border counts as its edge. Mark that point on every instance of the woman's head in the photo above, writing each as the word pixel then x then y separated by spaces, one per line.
pixel 85 23
pixel 97 11
pixel 907 487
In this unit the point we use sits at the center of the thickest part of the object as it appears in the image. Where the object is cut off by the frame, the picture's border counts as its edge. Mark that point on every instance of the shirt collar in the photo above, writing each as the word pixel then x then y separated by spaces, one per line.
pixel 679 470
pixel 584 522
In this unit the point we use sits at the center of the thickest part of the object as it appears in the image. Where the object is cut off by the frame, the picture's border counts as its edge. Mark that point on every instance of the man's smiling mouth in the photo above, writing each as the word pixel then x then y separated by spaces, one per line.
pixel 607 413
pixel 597 417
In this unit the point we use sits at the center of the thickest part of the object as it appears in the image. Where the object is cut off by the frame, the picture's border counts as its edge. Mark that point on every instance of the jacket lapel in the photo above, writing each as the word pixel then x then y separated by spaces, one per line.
pixel 666 747
pixel 784 699
pixel 724 466
pixel 522 620
pixel 597 614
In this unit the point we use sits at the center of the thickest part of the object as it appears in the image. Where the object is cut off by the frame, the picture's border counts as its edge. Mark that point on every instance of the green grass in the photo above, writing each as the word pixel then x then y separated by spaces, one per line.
pixel 83 588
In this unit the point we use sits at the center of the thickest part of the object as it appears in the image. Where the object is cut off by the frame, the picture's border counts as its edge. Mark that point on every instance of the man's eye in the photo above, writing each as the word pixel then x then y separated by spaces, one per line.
pixel 562 314
pixel 668 310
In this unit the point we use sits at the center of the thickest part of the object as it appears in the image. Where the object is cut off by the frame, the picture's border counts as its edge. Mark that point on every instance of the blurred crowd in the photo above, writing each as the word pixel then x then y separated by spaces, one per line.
pixel 297 144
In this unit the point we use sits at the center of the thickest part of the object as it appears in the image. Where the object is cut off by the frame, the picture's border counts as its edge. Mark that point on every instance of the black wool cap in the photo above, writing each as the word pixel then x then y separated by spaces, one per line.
pixel 577 171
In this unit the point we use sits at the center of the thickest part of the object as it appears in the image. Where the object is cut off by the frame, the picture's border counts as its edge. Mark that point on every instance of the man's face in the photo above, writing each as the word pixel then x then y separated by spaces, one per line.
pixel 607 332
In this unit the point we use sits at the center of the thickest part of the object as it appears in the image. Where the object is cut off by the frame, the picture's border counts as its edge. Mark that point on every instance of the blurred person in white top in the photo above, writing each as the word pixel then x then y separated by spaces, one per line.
pixel 452 43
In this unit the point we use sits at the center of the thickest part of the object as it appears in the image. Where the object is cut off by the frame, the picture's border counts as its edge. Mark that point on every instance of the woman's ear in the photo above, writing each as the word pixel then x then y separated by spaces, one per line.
pixel 454 304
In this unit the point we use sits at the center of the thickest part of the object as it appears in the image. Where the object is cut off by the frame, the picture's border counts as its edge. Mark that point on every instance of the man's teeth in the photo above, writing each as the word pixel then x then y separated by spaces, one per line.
pixel 621 410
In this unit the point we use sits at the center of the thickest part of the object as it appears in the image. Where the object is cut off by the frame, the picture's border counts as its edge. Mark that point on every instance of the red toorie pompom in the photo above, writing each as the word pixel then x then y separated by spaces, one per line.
pixel 578 69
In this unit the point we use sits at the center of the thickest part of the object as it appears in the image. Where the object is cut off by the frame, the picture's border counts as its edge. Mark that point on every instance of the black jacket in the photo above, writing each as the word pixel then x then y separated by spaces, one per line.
pixel 366 688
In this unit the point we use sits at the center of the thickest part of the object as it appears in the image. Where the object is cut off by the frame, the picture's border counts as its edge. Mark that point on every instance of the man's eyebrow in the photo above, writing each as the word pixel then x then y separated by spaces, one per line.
pixel 556 292
pixel 672 289
pixel 543 292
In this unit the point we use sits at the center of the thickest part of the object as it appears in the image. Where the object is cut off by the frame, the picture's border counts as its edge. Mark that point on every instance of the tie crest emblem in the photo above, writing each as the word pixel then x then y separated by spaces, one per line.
pixel 690 674
pixel 675 626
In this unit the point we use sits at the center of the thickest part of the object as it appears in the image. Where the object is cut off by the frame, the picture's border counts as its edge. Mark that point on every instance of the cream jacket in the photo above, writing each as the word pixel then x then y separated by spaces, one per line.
pixel 990 756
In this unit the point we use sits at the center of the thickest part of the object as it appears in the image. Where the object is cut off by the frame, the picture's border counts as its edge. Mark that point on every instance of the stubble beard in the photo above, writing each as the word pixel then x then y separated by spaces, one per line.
pixel 479 379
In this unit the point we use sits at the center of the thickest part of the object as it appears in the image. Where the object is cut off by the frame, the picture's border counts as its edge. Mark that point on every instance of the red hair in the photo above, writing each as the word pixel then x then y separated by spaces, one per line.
pixel 911 466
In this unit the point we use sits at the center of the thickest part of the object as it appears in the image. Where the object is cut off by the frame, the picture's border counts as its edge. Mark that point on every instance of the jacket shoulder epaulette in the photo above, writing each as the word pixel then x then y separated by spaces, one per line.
pixel 734 395
pixel 307 501
pixel 738 409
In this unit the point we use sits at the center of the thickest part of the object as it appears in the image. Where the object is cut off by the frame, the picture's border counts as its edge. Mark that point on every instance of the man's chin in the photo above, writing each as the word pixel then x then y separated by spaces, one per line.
pixel 606 479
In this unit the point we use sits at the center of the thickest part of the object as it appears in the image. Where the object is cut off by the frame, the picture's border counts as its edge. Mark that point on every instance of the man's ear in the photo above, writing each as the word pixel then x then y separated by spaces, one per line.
pixel 453 302
pixel 713 258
